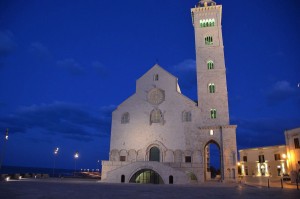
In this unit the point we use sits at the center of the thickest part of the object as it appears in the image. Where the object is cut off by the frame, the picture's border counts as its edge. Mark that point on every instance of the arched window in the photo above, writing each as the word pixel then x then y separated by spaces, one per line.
pixel 186 116
pixel 208 40
pixel 210 64
pixel 154 154
pixel 156 116
pixel 207 23
pixel 125 118
pixel 213 113
pixel 155 77
pixel 211 88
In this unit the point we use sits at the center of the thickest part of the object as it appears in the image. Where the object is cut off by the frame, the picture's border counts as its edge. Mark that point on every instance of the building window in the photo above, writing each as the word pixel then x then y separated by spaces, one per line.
pixel 244 158
pixel 261 158
pixel 277 156
pixel 208 40
pixel 125 118
pixel 155 77
pixel 213 113
pixel 211 132
pixel 207 23
pixel 210 65
pixel 186 116
pixel 156 116
pixel 122 158
pixel 188 159
pixel 296 142
pixel 122 178
pixel 154 154
pixel 246 170
pixel 211 88
pixel 170 179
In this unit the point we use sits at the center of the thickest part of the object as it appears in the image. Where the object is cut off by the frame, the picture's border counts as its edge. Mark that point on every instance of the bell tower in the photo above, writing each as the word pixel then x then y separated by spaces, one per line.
pixel 211 71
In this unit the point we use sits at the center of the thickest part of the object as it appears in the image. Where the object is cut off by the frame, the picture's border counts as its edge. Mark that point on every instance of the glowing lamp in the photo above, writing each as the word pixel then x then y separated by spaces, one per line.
pixel 76 155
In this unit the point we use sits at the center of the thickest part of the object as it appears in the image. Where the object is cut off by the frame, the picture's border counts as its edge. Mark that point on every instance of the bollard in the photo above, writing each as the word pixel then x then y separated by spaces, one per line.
pixel 281 183
pixel 268 182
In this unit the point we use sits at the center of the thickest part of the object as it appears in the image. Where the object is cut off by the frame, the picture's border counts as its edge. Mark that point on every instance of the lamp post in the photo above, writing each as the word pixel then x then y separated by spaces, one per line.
pixel 3 149
pixel 76 156
pixel 55 154
pixel 98 165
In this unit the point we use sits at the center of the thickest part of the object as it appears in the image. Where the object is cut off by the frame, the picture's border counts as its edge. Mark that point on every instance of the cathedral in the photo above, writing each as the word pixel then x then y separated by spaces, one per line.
pixel 160 136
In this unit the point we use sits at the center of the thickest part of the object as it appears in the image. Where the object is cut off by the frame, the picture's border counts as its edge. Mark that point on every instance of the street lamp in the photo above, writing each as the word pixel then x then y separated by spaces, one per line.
pixel 76 156
pixel 283 156
pixel 55 154
pixel 6 135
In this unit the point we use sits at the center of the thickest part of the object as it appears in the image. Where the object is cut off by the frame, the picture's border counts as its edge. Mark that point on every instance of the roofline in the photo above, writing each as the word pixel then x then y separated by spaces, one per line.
pixel 263 147
pixel 157 65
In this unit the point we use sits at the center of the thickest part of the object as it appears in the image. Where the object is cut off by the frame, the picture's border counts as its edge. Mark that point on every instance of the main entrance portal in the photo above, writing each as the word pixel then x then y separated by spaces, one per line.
pixel 146 176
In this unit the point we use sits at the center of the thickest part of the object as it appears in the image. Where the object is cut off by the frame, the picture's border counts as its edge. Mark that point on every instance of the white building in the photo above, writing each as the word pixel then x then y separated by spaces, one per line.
pixel 263 161
pixel 273 161
pixel 159 135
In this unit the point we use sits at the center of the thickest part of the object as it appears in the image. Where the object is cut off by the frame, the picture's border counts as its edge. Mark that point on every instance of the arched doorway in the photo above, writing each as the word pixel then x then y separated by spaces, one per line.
pixel 192 177
pixel 122 178
pixel 212 161
pixel 171 179
pixel 154 154
pixel 146 176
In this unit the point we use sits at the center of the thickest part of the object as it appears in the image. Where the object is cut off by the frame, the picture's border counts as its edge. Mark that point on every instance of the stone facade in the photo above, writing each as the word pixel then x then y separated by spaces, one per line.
pixel 158 129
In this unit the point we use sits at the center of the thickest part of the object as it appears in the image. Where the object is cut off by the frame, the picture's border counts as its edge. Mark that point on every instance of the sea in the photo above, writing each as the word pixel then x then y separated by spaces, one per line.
pixel 35 170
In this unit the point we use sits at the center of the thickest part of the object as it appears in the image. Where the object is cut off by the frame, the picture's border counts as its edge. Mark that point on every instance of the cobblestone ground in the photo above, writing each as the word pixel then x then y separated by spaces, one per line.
pixel 90 189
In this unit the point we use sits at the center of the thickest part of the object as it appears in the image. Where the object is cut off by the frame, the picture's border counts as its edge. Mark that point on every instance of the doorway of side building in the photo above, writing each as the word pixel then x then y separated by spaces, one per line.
pixel 212 161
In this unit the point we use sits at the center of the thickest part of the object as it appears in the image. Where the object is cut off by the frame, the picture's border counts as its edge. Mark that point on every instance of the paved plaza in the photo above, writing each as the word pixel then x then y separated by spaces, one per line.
pixel 90 189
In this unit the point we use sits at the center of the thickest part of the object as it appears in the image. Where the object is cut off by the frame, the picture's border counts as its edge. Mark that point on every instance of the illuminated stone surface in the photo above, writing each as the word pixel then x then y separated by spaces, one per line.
pixel 156 112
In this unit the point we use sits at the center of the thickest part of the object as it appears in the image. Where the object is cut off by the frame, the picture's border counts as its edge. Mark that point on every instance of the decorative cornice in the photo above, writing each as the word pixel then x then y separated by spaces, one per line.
pixel 217 127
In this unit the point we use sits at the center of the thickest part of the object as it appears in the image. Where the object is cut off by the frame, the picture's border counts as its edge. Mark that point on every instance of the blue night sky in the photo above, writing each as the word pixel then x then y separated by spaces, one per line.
pixel 66 65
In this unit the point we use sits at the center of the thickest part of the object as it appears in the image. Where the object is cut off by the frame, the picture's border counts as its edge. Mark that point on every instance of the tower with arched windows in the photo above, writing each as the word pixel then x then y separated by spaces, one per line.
pixel 210 62
pixel 158 135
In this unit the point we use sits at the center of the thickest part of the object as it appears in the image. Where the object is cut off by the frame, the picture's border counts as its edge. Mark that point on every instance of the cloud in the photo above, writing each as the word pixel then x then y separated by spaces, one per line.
pixel 7 43
pixel 100 68
pixel 186 73
pixel 262 131
pixel 72 66
pixel 67 120
pixel 39 50
pixel 281 91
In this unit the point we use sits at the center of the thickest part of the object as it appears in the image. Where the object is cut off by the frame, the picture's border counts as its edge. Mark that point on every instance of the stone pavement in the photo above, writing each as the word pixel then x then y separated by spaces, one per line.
pixel 92 189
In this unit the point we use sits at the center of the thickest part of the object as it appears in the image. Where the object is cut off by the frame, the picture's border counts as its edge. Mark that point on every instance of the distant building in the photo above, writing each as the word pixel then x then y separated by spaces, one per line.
pixel 273 161
pixel 159 135
pixel 263 161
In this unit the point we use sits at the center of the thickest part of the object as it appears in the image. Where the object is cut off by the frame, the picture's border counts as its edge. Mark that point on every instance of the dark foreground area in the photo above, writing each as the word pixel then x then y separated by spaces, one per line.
pixel 90 189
